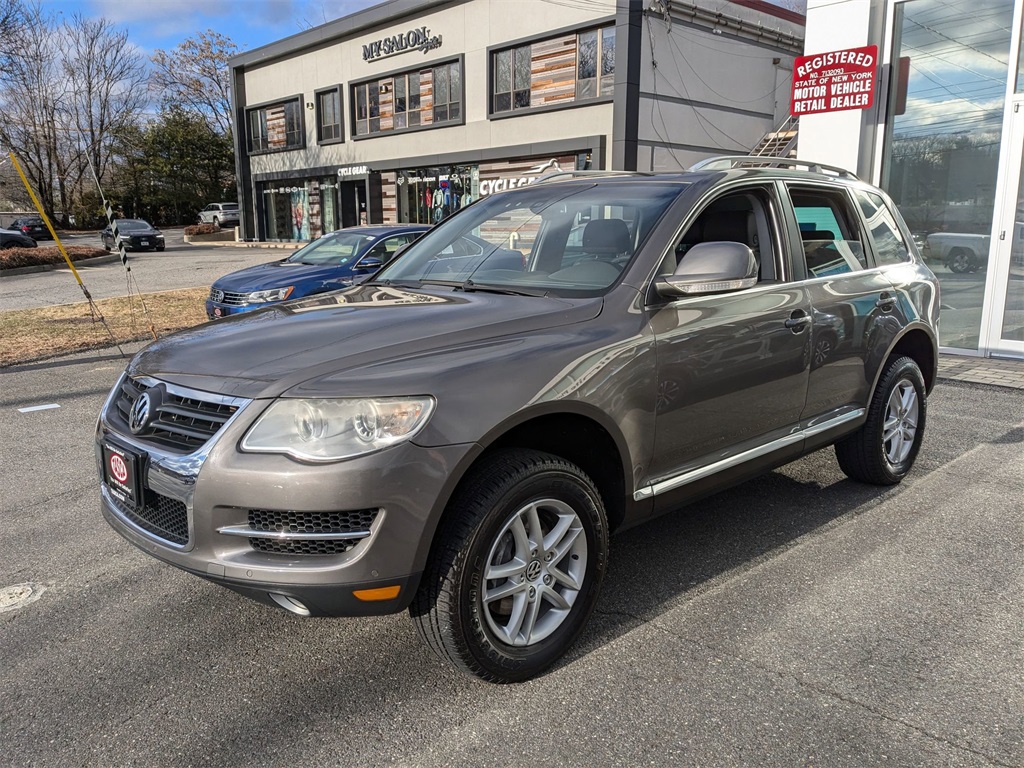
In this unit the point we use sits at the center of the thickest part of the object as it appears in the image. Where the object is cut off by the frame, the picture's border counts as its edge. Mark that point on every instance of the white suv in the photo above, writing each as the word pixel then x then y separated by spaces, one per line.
pixel 220 214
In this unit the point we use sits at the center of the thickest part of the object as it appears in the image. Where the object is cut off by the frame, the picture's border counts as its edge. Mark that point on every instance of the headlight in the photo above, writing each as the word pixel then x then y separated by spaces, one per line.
pixel 331 430
pixel 274 294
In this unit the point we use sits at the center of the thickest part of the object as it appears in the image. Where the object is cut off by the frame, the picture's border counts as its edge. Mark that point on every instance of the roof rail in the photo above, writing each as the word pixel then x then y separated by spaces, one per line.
pixel 559 175
pixel 725 162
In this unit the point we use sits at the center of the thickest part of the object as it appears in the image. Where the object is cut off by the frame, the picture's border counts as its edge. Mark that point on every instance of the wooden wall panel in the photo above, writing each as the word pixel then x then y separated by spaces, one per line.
pixel 553 71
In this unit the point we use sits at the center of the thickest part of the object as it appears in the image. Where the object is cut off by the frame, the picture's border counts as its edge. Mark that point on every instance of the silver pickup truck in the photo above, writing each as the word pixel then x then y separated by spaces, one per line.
pixel 958 252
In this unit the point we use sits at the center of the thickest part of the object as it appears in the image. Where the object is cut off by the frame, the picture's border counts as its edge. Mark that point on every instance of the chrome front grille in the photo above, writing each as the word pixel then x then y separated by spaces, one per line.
pixel 182 421
pixel 231 298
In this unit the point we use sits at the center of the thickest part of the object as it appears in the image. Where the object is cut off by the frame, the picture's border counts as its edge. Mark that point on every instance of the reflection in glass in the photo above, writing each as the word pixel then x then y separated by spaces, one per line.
pixel 1013 311
pixel 943 158
pixel 1020 62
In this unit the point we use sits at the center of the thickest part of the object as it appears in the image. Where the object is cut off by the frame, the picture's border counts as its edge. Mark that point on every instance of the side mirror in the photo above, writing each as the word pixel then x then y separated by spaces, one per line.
pixel 707 268
pixel 368 264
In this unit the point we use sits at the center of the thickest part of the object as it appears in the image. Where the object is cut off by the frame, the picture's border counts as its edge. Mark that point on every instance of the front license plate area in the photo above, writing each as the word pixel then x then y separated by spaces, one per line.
pixel 121 473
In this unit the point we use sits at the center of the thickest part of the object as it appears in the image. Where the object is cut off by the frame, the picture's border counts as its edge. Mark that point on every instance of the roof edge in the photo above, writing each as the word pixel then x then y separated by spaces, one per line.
pixel 347 26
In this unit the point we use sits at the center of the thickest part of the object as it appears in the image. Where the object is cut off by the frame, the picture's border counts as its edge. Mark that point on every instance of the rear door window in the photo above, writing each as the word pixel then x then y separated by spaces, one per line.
pixel 828 231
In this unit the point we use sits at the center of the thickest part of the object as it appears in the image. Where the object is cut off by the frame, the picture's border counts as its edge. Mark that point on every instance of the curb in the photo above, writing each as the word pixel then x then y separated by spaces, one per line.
pixel 246 244
pixel 95 261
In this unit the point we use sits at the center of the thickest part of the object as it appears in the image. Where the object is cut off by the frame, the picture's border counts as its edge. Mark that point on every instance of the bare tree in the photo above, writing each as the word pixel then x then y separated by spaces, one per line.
pixel 196 76
pixel 69 87
pixel 10 11
pixel 109 76
pixel 31 111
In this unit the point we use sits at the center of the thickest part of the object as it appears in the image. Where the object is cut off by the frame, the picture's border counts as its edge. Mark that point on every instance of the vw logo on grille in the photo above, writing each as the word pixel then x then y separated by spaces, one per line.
pixel 216 295
pixel 141 413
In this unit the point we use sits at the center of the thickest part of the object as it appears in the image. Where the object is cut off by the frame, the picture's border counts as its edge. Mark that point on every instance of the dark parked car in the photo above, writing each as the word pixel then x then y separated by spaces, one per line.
pixel 12 239
pixel 31 226
pixel 136 234
pixel 333 261
pixel 460 434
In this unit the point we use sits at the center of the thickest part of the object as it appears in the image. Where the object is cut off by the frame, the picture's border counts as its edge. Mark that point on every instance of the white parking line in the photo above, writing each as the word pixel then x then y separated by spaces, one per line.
pixel 38 408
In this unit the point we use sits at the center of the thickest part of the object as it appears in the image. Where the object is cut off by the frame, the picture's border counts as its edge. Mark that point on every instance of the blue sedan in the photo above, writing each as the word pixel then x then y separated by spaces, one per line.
pixel 331 262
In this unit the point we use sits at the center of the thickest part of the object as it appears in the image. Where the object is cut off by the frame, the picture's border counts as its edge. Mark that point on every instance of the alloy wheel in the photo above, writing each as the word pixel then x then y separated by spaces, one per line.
pixel 900 425
pixel 534 572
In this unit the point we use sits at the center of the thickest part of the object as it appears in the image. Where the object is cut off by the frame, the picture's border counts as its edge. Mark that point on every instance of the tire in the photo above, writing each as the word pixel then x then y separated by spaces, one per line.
pixel 9 245
pixel 507 628
pixel 216 222
pixel 106 248
pixel 883 450
pixel 961 260
pixel 160 247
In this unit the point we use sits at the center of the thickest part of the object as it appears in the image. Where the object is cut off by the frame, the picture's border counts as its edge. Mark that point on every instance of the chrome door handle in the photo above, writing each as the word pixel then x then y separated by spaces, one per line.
pixel 798 322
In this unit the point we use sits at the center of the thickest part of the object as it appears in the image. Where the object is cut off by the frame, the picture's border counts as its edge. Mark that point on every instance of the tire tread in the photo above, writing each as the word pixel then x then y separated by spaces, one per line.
pixel 435 608
pixel 859 454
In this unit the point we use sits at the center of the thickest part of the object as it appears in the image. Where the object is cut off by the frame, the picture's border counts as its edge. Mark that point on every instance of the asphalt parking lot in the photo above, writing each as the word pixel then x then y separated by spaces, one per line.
pixel 181 265
pixel 798 620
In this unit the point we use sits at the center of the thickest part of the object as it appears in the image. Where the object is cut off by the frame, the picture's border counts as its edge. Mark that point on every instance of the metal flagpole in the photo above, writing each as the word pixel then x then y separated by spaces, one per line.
pixel 46 220
pixel 122 250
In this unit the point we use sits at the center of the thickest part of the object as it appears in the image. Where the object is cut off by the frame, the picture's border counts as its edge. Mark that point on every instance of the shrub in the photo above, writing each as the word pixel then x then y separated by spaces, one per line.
pixel 201 229
pixel 30 257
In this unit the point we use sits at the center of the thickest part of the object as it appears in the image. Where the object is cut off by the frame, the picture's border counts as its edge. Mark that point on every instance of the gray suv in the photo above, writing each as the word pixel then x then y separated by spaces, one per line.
pixel 459 435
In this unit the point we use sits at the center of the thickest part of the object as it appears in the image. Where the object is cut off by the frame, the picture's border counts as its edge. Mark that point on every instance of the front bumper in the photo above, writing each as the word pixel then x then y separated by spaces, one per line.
pixel 219 486
pixel 215 309
pixel 143 243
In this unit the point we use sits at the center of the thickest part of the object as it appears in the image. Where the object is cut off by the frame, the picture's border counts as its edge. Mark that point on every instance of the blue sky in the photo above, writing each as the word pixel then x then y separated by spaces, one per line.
pixel 153 24
pixel 163 24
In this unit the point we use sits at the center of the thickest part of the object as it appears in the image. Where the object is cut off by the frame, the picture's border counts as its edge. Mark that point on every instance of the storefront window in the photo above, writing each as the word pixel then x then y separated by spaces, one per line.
pixel 430 195
pixel 943 156
pixel 300 209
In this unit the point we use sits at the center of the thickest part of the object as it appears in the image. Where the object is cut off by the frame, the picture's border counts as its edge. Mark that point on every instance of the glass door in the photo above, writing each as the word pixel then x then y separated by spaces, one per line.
pixel 1007 330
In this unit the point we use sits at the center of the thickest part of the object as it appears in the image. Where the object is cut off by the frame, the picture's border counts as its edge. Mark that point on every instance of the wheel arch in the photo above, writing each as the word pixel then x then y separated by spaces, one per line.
pixel 917 343
pixel 575 432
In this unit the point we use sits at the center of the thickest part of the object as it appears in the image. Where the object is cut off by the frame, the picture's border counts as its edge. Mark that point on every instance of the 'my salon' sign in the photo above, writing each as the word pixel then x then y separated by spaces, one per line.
pixel 413 40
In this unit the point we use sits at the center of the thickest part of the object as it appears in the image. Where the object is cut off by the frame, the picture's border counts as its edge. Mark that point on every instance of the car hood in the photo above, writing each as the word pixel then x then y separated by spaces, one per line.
pixel 263 277
pixel 265 352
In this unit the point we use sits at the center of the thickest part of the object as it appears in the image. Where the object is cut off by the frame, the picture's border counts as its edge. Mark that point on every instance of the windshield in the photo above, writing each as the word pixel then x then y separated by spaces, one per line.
pixel 564 239
pixel 335 248
pixel 126 225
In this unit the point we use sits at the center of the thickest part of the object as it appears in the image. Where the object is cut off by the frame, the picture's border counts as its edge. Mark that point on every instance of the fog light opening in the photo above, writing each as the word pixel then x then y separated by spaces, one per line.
pixel 289 604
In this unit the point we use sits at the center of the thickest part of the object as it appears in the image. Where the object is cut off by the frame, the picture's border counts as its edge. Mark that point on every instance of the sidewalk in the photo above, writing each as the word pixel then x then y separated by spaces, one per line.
pixel 982 370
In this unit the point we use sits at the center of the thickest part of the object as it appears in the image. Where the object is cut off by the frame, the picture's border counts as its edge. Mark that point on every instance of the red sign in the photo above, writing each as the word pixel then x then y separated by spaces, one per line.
pixel 834 81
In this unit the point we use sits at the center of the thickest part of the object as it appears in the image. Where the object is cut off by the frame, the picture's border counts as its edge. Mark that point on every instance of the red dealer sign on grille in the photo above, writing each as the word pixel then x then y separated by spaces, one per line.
pixel 834 81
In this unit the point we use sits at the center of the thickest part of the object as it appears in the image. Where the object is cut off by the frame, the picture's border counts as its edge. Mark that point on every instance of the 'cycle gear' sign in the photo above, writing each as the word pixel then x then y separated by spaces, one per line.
pixel 834 81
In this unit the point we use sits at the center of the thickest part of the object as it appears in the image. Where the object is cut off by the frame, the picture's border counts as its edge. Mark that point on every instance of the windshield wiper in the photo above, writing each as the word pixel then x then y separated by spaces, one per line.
pixel 394 283
pixel 470 287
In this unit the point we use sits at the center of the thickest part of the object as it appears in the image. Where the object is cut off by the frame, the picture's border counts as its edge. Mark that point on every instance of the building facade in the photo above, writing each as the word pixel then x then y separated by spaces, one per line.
pixel 411 110
pixel 944 137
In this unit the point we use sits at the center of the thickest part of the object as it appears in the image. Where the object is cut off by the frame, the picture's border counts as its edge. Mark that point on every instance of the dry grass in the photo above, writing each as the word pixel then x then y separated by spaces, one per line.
pixel 34 334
